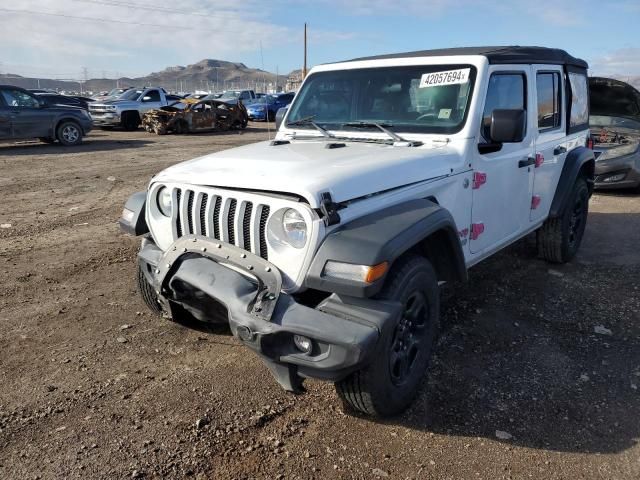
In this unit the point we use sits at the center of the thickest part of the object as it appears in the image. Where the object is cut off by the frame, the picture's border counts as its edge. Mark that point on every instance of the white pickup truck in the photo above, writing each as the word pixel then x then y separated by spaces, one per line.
pixel 126 111
pixel 325 249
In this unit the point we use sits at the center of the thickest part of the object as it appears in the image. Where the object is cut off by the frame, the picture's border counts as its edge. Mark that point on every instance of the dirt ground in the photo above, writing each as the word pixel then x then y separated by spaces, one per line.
pixel 536 374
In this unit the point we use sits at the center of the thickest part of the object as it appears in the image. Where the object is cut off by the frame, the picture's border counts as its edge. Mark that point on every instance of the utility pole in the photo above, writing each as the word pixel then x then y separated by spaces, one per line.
pixel 304 68
pixel 85 77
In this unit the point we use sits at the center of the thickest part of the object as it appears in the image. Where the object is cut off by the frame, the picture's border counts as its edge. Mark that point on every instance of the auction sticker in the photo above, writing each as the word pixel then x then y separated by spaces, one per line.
pixel 451 77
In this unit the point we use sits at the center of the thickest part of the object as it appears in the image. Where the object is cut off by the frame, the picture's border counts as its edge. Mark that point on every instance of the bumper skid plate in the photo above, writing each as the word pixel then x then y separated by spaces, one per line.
pixel 197 272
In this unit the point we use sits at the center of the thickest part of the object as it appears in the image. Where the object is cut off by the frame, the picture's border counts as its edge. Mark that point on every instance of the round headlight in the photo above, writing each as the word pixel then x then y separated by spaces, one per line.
pixel 164 201
pixel 295 228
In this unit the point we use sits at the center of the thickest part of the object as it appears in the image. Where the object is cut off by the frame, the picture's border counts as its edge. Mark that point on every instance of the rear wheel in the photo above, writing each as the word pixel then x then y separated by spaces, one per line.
pixel 69 133
pixel 130 121
pixel 388 385
pixel 559 238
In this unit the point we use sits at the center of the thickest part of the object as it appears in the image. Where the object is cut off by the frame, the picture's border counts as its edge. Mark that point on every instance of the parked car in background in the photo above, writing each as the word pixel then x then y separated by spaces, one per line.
pixel 56 99
pixel 114 93
pixel 24 115
pixel 265 108
pixel 615 132
pixel 192 115
pixel 126 110
pixel 245 96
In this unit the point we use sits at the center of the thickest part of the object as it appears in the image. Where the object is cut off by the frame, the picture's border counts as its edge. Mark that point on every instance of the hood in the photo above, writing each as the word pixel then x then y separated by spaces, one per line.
pixel 115 102
pixel 306 168
pixel 613 98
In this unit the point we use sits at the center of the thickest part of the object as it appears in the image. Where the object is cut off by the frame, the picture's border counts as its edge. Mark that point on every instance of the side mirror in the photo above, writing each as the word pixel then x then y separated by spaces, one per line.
pixel 146 98
pixel 507 126
pixel 280 116
pixel 42 103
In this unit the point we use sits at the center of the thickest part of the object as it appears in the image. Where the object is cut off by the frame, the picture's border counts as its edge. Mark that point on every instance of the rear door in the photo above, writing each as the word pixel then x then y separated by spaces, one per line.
pixel 550 144
pixel 502 179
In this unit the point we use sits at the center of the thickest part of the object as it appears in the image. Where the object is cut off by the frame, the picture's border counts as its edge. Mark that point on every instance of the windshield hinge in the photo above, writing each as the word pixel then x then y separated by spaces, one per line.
pixel 329 209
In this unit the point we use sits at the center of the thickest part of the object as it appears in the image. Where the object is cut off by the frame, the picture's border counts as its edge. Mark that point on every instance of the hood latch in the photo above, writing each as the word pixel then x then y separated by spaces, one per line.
pixel 329 209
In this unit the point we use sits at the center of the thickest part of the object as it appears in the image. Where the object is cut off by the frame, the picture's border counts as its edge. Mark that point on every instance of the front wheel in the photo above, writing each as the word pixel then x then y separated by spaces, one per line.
pixel 559 238
pixel 69 134
pixel 388 385
pixel 147 293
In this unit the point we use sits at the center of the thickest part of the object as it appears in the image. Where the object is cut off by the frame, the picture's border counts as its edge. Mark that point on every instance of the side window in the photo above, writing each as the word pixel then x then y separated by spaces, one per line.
pixel 154 96
pixel 244 96
pixel 579 101
pixel 549 100
pixel 506 91
pixel 18 98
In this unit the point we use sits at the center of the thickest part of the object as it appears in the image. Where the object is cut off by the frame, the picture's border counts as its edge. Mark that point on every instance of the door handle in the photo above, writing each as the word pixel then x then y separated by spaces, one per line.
pixel 527 162
pixel 559 150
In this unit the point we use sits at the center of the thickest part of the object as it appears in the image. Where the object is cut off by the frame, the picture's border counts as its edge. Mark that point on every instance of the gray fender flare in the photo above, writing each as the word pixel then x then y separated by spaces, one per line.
pixel 384 236
pixel 578 159
pixel 133 219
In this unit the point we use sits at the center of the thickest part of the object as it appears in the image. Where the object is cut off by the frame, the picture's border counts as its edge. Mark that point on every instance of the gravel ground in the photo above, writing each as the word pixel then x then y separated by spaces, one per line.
pixel 536 373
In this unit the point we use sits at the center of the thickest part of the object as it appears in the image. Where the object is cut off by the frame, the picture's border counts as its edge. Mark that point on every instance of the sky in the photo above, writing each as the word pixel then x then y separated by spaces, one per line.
pixel 114 38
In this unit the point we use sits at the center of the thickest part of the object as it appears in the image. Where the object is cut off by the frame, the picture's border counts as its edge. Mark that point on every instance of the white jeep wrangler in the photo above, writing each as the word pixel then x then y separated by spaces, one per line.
pixel 324 249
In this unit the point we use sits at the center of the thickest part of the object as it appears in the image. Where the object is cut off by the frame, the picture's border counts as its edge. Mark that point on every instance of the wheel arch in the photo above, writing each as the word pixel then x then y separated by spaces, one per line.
pixel 579 162
pixel 420 226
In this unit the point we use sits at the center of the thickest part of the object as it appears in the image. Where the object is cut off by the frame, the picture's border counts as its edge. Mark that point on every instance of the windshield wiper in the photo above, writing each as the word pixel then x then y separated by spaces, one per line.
pixel 309 121
pixel 383 128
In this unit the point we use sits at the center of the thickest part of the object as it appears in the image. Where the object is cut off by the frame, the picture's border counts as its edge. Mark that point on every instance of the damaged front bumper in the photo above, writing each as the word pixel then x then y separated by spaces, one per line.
pixel 201 275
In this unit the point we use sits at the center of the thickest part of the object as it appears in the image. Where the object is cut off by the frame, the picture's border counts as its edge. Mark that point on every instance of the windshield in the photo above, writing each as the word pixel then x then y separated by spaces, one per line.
pixel 415 99
pixel 231 94
pixel 132 94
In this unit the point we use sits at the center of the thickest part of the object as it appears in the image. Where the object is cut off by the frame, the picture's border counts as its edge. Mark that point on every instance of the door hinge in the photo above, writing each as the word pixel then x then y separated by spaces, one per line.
pixel 477 229
pixel 535 201
pixel 479 179
pixel 539 159
pixel 329 209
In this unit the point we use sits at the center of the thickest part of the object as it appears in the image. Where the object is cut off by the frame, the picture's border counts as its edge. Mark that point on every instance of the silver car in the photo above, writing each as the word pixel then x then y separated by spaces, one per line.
pixel 615 132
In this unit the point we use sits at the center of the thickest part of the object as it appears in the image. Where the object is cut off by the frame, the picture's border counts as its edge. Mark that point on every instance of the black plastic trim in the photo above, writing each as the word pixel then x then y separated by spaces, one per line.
pixel 575 160
pixel 383 236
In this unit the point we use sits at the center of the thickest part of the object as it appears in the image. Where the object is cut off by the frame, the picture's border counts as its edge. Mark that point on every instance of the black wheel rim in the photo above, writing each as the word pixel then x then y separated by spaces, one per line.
pixel 408 337
pixel 576 221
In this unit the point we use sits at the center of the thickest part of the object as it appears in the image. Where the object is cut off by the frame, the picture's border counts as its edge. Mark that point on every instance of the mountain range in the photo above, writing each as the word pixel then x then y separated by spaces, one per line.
pixel 206 74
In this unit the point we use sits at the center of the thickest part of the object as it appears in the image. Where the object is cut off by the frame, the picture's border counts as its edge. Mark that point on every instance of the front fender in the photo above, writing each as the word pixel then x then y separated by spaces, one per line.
pixel 383 237
pixel 576 160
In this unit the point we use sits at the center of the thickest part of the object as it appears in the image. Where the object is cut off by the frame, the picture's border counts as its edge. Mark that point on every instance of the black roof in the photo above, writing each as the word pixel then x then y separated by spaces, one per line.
pixel 496 55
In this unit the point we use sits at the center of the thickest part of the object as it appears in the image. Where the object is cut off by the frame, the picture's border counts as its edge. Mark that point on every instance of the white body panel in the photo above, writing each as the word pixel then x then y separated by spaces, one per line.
pixel 368 177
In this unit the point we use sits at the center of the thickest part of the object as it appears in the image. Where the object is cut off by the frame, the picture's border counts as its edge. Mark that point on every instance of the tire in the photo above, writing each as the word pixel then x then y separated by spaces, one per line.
pixel 559 238
pixel 130 121
pixel 384 388
pixel 147 293
pixel 48 140
pixel 69 134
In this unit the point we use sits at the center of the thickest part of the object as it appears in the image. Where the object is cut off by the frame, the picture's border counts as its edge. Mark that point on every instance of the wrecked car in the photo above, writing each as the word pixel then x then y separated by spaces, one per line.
pixel 191 115
pixel 324 249
pixel 615 132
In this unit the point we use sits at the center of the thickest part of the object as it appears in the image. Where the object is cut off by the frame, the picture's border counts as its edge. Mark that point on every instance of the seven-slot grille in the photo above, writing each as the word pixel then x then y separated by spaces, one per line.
pixel 232 220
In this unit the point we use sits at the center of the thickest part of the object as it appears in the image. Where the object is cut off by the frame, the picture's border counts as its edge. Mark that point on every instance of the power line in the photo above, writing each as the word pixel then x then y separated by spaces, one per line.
pixel 107 20
pixel 154 8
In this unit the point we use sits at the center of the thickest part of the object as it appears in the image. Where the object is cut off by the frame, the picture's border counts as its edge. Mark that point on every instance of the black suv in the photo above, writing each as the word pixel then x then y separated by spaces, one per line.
pixel 23 115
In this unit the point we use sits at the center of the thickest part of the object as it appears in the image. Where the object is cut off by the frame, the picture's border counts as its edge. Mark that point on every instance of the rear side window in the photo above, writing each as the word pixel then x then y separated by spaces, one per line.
pixel 549 100
pixel 579 116
pixel 506 91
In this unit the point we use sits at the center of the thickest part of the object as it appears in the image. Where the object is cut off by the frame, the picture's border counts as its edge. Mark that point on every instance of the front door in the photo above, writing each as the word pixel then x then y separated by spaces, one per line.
pixel 550 145
pixel 502 179
pixel 28 119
